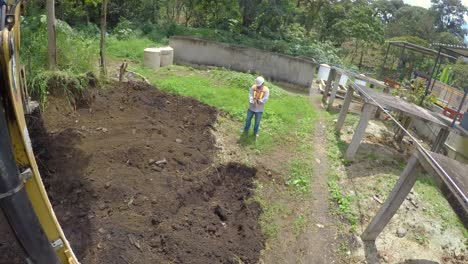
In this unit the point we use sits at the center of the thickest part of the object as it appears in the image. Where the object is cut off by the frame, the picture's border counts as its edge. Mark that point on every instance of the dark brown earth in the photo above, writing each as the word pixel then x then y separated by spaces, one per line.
pixel 131 181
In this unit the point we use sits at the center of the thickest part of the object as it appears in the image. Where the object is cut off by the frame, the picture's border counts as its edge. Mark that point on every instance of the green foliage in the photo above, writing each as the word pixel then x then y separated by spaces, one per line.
pixel 300 176
pixel 76 54
pixel 446 74
pixel 129 48
pixel 61 83
pixel 124 30
pixel 417 92
pixel 412 20
pixel 335 149
pixel 450 16
pixel 412 39
pixel 460 73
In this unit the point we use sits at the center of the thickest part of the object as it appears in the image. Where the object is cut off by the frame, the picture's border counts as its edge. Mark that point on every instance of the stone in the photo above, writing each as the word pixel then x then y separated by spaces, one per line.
pixel 105 130
pixel 101 230
pixel 151 161
pixel 161 162
pixel 401 232
pixel 178 140
pixel 103 206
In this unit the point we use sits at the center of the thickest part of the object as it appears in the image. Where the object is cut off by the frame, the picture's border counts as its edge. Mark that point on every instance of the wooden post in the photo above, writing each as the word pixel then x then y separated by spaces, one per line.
pixel 314 69
pixel 328 85
pixel 360 130
pixel 400 132
pixel 334 91
pixel 440 140
pixel 394 200
pixel 344 109
pixel 123 69
pixel 51 35
pixel 102 50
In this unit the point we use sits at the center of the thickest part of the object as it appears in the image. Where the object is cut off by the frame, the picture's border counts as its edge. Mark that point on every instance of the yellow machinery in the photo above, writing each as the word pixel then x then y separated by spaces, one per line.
pixel 23 197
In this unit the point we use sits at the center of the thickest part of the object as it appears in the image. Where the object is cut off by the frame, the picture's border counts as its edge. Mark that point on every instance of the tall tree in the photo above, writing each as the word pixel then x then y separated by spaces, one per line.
pixel 412 21
pixel 449 16
pixel 363 28
pixel 103 36
pixel 51 32
pixel 248 10
pixel 386 10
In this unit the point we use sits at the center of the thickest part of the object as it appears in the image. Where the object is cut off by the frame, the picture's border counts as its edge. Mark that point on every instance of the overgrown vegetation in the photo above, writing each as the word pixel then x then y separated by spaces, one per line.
pixel 77 55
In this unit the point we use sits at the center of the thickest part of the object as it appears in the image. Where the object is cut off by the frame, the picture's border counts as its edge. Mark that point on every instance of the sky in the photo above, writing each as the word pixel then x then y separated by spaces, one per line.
pixel 426 3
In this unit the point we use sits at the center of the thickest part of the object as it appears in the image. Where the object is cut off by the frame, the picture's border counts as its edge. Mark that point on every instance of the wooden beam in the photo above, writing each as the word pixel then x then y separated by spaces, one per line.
pixel 440 140
pixel 360 130
pixel 328 86
pixel 400 134
pixel 394 200
pixel 334 91
pixel 344 109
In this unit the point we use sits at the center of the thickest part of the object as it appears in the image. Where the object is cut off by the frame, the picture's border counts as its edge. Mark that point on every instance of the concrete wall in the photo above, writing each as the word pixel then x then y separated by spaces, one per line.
pixel 276 67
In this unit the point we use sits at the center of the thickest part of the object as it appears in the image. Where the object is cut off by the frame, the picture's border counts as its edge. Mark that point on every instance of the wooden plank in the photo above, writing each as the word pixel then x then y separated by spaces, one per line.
pixel 344 109
pixel 334 91
pixel 395 199
pixel 441 180
pixel 360 130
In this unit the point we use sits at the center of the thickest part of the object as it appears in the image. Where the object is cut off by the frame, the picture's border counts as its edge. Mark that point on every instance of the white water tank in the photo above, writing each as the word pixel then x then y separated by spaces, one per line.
pixel 152 58
pixel 343 80
pixel 324 71
pixel 167 56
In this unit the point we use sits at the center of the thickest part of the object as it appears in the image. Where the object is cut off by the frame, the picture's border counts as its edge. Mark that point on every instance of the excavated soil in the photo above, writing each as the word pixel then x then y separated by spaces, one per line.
pixel 131 180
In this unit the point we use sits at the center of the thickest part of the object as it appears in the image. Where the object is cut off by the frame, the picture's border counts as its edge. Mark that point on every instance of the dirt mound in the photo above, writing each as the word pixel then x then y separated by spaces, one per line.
pixel 131 181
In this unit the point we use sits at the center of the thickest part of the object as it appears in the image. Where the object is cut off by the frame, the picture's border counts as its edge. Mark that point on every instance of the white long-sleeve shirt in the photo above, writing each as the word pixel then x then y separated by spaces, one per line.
pixel 260 106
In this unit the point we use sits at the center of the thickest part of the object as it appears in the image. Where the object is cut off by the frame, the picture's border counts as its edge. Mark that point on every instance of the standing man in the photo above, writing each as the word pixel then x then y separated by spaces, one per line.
pixel 258 97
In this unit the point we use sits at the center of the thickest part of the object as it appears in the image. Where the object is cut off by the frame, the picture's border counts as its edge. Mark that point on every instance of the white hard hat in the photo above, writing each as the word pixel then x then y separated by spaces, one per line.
pixel 259 80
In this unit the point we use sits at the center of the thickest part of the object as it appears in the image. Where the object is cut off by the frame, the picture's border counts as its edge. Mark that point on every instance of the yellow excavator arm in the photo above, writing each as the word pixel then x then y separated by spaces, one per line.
pixel 23 197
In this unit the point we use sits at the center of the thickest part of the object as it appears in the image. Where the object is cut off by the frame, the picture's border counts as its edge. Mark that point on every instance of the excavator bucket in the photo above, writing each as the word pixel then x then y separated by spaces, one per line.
pixel 23 197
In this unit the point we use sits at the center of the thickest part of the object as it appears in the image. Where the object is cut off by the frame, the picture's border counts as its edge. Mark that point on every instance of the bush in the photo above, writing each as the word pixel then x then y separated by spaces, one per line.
pixel 76 53
pixel 125 29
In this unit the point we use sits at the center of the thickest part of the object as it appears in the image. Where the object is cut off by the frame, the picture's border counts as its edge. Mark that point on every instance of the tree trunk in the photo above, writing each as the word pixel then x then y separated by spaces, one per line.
pixel 360 60
pixel 52 38
pixel 103 37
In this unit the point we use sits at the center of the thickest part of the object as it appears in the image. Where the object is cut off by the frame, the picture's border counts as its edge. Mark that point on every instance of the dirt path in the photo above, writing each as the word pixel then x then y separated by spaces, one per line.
pixel 324 233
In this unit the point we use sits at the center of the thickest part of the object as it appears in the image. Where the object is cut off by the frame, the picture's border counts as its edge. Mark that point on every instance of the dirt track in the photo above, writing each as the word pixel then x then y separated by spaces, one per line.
pixel 131 181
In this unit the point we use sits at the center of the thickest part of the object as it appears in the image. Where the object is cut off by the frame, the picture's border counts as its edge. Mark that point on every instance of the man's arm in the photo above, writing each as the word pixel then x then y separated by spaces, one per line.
pixel 251 95
pixel 265 97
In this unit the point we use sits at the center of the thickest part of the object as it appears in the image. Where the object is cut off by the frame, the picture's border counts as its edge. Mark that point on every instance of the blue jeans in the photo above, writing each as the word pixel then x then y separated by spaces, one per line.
pixel 258 117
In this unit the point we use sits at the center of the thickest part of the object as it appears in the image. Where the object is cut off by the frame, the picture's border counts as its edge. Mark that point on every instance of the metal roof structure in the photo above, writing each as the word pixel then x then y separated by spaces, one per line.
pixel 420 49
pixel 457 49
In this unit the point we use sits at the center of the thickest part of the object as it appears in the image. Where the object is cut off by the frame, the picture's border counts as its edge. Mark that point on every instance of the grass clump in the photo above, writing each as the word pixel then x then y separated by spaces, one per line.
pixel 77 55
pixel 62 83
